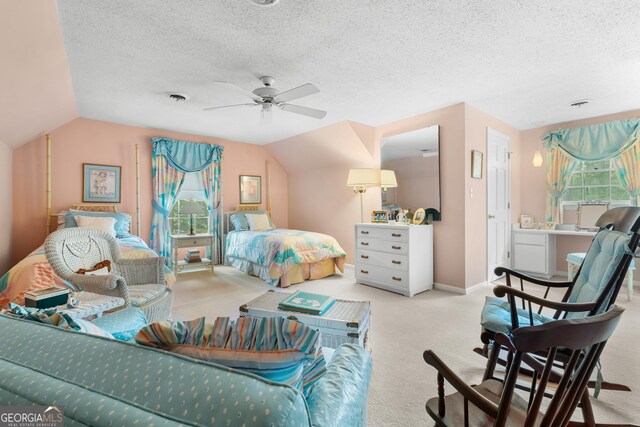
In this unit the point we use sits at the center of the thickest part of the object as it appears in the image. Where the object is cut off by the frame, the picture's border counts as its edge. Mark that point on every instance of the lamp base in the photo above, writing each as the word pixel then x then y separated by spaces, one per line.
pixel 191 233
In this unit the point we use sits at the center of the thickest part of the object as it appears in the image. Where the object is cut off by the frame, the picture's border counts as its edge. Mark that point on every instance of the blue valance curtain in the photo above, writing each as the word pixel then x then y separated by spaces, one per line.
pixel 171 160
pixel 617 140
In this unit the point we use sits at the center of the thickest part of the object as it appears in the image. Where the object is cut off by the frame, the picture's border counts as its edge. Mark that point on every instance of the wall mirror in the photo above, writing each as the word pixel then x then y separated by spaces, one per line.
pixel 415 158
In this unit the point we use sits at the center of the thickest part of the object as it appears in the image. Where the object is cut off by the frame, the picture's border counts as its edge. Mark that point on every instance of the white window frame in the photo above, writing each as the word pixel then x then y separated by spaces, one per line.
pixel 573 205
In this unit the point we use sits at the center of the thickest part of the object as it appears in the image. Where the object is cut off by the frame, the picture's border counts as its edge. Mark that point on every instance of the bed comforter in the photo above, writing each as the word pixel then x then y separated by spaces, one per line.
pixel 279 250
pixel 34 271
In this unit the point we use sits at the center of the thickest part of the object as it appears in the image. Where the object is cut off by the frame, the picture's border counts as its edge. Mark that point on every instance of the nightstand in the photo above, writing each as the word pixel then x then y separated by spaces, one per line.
pixel 185 241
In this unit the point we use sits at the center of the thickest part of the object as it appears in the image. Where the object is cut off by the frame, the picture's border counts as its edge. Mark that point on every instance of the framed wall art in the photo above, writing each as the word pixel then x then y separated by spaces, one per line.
pixel 526 222
pixel 250 189
pixel 476 164
pixel 100 183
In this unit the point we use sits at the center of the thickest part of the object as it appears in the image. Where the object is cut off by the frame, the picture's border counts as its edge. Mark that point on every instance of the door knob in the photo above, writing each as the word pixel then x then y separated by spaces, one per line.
pixel 492 216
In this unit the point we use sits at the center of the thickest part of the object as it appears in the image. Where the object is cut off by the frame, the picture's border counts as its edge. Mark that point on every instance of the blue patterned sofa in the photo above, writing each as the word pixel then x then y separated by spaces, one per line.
pixel 99 382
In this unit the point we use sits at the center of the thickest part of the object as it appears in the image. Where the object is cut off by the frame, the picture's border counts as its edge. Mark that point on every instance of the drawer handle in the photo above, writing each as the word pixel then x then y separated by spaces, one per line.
pixel 195 242
pixel 364 256
pixel 396 247
pixel 396 262
pixel 397 279
pixel 364 243
pixel 364 232
pixel 364 271
pixel 396 235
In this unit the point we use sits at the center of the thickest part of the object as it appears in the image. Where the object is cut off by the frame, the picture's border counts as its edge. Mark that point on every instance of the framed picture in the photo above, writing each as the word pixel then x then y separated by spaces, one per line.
pixel 526 221
pixel 588 214
pixel 100 183
pixel 379 216
pixel 550 225
pixel 250 189
pixel 476 164
pixel 419 216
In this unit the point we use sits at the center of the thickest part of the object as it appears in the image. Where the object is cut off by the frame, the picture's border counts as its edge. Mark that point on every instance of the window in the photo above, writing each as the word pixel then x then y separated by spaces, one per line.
pixel 191 190
pixel 595 181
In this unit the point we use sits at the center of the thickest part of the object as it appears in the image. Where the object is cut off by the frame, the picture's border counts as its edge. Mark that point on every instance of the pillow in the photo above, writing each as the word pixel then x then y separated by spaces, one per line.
pixel 122 324
pixel 240 223
pixel 259 222
pixel 274 348
pixel 61 218
pixel 122 226
pixel 51 316
pixel 104 224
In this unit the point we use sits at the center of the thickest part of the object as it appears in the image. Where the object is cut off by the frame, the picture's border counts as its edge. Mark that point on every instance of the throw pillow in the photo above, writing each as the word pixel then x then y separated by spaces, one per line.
pixel 104 224
pixel 274 348
pixel 122 226
pixel 122 324
pixel 239 222
pixel 259 222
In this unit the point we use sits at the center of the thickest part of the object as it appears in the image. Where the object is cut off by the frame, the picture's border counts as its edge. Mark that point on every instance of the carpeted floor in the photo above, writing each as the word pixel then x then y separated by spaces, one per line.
pixel 402 328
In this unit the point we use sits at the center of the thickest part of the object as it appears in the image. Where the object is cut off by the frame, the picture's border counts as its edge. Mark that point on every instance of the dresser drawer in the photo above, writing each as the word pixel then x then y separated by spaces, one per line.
pixel 375 273
pixel 390 246
pixel 529 238
pixel 401 234
pixel 192 241
pixel 382 259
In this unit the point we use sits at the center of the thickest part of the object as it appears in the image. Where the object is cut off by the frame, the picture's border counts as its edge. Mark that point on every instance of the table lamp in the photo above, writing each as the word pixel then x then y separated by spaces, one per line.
pixel 191 208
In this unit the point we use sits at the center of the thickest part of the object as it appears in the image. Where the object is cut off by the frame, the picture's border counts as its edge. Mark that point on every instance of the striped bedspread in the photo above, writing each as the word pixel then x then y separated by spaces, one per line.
pixel 280 249
pixel 34 272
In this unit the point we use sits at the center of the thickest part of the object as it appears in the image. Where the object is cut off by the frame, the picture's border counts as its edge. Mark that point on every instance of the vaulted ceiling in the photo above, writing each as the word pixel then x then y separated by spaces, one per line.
pixel 374 61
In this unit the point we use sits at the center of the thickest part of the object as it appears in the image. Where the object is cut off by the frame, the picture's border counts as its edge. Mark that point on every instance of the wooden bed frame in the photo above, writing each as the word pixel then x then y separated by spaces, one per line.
pixel 90 207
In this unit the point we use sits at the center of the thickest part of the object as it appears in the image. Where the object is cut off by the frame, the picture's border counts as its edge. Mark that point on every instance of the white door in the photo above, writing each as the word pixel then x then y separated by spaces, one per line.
pixel 498 202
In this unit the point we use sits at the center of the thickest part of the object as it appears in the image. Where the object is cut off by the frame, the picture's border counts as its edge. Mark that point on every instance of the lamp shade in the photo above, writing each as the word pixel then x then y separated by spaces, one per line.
pixel 388 179
pixel 363 178
pixel 537 159
pixel 192 207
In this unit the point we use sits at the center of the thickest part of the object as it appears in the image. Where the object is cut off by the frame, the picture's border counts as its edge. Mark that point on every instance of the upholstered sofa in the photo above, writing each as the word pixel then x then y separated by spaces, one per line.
pixel 99 381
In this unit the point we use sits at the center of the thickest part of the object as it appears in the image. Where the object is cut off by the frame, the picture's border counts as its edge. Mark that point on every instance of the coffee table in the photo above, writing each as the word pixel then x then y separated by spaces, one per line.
pixel 91 305
pixel 345 321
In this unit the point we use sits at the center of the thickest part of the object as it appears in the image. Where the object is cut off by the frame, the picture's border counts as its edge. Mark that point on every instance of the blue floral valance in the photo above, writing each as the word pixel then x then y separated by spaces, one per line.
pixel 187 156
pixel 595 142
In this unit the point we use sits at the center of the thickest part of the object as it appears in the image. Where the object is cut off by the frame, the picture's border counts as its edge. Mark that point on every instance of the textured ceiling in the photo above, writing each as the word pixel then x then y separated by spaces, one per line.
pixel 375 61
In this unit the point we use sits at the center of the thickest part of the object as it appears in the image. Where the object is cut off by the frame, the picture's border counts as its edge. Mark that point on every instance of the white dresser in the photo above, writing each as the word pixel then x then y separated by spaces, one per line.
pixel 398 258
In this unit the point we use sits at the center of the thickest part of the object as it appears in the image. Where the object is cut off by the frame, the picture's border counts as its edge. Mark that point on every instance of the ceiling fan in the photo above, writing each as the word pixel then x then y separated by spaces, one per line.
pixel 268 96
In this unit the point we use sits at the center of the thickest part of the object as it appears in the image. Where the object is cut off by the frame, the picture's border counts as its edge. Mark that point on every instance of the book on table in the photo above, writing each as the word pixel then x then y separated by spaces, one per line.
pixel 306 302
pixel 47 297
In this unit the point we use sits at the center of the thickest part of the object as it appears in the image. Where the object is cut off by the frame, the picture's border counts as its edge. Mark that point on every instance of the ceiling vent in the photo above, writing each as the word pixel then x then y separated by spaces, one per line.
pixel 177 97
pixel 265 2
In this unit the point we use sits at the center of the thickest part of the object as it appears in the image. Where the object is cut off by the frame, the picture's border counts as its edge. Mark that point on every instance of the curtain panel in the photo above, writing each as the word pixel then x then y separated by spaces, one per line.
pixel 617 140
pixel 171 160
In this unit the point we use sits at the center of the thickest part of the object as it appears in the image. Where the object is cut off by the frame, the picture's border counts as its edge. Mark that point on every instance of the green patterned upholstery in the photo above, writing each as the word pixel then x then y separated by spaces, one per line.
pixel 107 382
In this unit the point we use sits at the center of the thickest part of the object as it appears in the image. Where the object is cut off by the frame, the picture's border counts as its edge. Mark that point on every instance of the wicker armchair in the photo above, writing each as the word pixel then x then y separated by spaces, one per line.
pixel 140 282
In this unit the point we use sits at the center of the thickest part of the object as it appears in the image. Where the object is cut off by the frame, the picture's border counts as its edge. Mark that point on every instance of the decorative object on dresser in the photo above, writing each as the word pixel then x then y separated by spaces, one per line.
pixel 419 216
pixel 526 222
pixel 588 214
pixel 550 225
pixel 476 164
pixel 100 183
pixel 192 208
pixel 345 322
pixel 360 180
pixel 186 241
pixel 250 189
pixel 397 258
pixel 379 216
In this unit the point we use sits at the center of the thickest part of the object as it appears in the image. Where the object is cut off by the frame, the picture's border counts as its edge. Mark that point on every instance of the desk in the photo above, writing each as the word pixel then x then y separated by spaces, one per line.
pixel 534 251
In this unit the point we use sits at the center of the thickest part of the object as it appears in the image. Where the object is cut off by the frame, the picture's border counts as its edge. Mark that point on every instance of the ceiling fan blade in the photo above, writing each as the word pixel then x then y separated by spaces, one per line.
pixel 228 106
pixel 238 89
pixel 296 92
pixel 305 111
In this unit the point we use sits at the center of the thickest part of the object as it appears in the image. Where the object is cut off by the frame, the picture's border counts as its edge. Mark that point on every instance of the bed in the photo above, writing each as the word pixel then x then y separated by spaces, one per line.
pixel 34 272
pixel 280 257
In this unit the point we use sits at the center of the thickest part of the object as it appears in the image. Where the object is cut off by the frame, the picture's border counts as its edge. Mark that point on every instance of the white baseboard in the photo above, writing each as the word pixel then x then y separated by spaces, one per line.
pixel 348 266
pixel 457 290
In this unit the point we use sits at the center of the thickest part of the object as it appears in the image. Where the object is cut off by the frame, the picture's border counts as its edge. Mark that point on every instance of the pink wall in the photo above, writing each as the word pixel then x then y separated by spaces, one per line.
pixel 418 182
pixel 36 89
pixel 6 160
pixel 91 141
pixel 533 182
pixel 317 164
